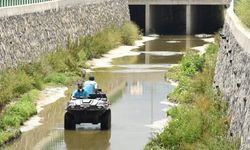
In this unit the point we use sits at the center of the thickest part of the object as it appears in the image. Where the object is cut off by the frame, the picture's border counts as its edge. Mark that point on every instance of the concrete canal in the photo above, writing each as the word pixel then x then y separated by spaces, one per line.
pixel 137 90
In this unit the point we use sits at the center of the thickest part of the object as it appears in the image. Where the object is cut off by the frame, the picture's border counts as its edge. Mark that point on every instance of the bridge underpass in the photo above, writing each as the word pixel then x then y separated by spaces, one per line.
pixel 178 16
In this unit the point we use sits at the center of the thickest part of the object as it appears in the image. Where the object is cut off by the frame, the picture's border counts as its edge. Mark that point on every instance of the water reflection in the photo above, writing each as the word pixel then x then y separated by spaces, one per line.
pixel 165 50
pixel 87 140
pixel 147 58
pixel 165 43
pixel 136 88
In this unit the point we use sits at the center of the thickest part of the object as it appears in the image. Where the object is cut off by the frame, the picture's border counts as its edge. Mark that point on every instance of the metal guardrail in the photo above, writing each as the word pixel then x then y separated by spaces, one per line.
pixel 6 3
pixel 42 5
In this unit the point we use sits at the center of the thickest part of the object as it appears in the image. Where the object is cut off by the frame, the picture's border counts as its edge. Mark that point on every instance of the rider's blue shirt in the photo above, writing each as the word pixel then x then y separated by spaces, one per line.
pixel 78 93
pixel 90 86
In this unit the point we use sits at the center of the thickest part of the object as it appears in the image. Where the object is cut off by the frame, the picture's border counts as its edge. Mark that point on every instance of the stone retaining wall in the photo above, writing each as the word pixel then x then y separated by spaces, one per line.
pixel 38 28
pixel 232 76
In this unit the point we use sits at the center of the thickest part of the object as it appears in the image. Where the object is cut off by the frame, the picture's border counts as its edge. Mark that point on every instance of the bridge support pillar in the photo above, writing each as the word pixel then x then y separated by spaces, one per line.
pixel 188 20
pixel 147 19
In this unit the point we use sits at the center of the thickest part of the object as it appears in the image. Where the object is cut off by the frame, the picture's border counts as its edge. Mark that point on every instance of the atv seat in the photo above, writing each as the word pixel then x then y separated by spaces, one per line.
pixel 97 95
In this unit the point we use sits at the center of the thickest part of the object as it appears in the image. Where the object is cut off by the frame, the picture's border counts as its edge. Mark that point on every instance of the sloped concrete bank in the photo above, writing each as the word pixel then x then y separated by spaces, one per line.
pixel 232 76
pixel 28 31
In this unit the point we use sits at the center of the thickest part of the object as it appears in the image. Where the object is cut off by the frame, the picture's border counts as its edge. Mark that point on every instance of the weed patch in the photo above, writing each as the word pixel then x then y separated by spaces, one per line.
pixel 130 33
pixel 200 121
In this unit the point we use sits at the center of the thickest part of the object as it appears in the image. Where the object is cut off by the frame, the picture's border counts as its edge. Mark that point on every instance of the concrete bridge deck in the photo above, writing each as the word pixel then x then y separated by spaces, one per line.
pixel 178 2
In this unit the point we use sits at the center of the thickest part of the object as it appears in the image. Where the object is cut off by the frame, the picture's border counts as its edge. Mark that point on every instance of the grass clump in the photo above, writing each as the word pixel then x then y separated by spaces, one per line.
pixel 15 114
pixel 6 136
pixel 243 11
pixel 130 33
pixel 200 120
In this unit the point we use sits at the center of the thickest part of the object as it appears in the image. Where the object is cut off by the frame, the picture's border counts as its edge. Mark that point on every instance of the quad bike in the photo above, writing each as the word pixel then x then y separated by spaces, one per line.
pixel 93 109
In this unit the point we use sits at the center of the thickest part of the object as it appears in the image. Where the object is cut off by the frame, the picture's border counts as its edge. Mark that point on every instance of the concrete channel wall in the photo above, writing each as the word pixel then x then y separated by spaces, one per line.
pixel 232 76
pixel 28 31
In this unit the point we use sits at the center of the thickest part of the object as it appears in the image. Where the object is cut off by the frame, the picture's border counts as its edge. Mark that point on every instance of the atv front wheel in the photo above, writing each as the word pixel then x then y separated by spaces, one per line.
pixel 69 123
pixel 106 120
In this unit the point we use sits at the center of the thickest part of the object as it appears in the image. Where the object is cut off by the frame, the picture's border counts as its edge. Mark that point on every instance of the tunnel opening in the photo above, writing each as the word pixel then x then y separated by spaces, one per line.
pixel 137 15
pixel 168 19
pixel 177 19
pixel 207 18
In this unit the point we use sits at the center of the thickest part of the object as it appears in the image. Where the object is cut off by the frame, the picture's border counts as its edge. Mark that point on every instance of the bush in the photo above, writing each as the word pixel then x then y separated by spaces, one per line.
pixel 130 33
pixel 13 83
pixel 23 82
pixel 57 60
pixel 180 93
pixel 182 128
pixel 191 63
pixel 243 11
pixel 107 39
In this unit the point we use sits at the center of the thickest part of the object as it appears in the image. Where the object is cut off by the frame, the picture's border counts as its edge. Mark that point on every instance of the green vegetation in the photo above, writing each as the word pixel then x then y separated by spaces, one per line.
pixel 189 66
pixel 200 120
pixel 15 114
pixel 243 11
pixel 129 34
pixel 60 67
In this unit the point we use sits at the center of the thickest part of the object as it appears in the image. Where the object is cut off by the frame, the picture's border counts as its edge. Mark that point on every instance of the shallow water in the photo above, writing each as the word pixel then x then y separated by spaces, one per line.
pixel 136 88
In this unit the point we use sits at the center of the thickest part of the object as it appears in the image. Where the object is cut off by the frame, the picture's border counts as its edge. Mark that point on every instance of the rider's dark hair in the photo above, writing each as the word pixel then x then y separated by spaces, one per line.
pixel 80 85
pixel 91 78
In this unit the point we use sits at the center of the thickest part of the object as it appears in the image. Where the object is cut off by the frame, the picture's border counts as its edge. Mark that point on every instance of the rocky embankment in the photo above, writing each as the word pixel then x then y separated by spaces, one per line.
pixel 24 37
pixel 232 76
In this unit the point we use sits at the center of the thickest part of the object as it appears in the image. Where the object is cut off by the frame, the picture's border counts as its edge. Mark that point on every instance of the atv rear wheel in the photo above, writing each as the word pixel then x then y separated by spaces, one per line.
pixel 106 120
pixel 69 123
